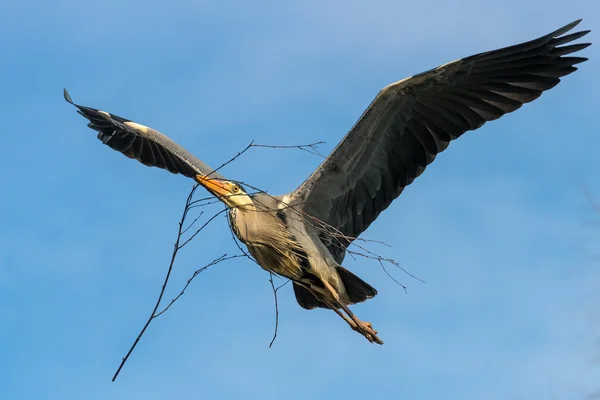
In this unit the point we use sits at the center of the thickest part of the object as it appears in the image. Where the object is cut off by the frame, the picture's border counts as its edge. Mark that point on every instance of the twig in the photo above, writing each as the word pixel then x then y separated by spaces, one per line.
pixel 200 229
pixel 193 222
pixel 176 248
pixel 391 277
pixel 189 205
pixel 310 148
pixel 275 290
pixel 197 272
pixel 276 308
pixel 370 255
pixel 232 159
pixel 204 202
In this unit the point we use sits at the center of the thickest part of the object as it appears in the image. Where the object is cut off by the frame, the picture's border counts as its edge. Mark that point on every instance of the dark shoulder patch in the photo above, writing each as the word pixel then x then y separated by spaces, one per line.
pixel 300 254
pixel 281 215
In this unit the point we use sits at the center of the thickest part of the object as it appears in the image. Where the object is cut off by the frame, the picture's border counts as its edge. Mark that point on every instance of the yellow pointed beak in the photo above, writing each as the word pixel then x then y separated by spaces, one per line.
pixel 215 186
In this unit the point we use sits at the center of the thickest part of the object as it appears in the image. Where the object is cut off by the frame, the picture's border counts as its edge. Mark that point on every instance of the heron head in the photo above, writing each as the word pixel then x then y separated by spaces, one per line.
pixel 230 193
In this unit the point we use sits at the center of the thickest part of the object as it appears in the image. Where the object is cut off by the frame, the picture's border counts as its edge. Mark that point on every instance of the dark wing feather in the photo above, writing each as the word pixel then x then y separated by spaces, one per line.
pixel 411 121
pixel 144 144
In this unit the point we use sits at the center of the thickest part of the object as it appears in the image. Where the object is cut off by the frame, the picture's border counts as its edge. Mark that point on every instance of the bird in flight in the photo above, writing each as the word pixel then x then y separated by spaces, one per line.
pixel 304 235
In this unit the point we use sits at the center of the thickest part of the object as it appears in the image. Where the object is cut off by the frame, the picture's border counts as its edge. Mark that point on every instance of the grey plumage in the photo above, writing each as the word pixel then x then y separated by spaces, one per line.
pixel 304 235
pixel 414 119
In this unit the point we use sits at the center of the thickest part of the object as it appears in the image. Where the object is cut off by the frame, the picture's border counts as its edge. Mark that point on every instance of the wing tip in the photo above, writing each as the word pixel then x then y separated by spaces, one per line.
pixel 67 96
pixel 566 28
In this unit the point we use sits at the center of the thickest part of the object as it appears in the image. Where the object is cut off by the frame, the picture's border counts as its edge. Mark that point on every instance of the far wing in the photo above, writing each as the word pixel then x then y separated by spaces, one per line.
pixel 412 120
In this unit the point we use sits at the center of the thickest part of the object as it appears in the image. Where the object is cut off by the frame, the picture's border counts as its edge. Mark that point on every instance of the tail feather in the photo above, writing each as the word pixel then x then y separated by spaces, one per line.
pixel 356 289
pixel 306 298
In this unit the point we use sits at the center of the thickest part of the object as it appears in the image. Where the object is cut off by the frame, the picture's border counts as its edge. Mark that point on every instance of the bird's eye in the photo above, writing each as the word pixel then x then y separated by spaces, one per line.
pixel 235 188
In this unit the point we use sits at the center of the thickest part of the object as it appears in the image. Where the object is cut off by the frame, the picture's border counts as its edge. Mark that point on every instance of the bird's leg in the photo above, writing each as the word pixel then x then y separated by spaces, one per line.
pixel 365 328
pixel 335 308
pixel 362 326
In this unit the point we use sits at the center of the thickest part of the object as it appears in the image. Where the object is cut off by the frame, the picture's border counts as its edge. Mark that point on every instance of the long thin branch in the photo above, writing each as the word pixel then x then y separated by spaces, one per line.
pixel 176 248
pixel 197 272
pixel 192 224
pixel 311 148
pixel 189 205
pixel 276 308
pixel 200 229
pixel 232 159
pixel 370 255
pixel 390 276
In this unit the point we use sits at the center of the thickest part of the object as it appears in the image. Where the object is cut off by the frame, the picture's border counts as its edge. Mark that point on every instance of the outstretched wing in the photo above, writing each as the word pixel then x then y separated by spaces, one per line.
pixel 412 120
pixel 144 144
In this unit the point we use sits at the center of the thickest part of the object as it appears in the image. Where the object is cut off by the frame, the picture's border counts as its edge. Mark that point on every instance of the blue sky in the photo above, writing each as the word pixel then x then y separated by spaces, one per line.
pixel 497 227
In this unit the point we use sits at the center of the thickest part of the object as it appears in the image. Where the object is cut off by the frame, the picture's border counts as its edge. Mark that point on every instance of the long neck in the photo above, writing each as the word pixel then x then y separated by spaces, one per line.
pixel 255 222
pixel 239 221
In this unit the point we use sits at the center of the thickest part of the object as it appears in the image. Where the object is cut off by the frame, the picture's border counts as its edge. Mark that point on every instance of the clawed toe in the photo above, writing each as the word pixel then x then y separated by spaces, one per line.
pixel 369 327
pixel 366 329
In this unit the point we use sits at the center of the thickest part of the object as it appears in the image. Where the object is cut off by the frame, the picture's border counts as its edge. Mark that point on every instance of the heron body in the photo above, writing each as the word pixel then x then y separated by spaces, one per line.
pixel 304 235
pixel 281 242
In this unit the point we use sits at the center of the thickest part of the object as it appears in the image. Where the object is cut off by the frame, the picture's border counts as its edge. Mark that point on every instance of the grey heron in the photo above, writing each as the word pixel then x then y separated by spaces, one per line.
pixel 304 235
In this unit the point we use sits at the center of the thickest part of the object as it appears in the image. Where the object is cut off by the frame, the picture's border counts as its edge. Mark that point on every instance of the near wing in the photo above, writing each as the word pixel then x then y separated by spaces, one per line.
pixel 146 145
pixel 414 119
